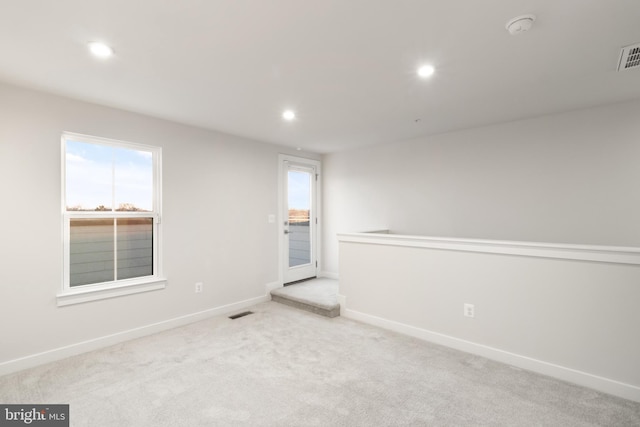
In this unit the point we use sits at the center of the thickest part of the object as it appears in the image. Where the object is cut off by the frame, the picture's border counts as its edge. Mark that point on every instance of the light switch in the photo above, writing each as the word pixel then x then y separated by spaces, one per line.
pixel 271 219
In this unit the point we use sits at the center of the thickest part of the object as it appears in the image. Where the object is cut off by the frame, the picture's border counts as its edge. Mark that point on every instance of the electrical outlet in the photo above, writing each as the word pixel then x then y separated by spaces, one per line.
pixel 199 287
pixel 469 310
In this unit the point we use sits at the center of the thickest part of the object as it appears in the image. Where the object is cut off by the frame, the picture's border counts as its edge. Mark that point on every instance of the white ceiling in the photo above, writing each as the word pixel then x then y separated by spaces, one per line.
pixel 347 67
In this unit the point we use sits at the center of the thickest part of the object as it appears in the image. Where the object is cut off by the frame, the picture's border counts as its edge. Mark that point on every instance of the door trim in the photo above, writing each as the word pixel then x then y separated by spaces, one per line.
pixel 282 158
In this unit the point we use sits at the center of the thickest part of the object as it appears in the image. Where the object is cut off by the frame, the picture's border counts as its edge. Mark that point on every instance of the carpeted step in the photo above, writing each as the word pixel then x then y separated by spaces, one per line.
pixel 308 306
pixel 318 296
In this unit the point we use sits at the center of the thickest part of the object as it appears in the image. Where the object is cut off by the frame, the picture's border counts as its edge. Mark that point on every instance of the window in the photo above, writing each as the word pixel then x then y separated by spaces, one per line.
pixel 111 214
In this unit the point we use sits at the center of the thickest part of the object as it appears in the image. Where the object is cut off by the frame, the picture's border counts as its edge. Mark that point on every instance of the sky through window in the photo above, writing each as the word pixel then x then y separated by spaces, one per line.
pixel 101 177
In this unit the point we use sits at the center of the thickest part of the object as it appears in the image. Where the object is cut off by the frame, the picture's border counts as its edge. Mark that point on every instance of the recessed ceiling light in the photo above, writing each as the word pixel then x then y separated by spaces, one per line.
pixel 288 115
pixel 426 71
pixel 100 50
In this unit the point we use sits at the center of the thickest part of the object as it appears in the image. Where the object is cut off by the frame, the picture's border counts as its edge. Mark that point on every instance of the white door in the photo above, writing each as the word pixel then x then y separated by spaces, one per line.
pixel 299 219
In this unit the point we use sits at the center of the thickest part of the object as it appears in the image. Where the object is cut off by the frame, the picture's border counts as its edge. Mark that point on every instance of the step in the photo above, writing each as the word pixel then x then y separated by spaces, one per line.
pixel 317 296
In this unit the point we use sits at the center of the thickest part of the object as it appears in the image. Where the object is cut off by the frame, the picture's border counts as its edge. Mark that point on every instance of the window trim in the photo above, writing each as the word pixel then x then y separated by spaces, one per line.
pixel 79 294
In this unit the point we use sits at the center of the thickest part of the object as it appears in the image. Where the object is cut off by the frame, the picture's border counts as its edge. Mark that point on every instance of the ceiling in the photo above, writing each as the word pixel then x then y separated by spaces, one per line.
pixel 347 67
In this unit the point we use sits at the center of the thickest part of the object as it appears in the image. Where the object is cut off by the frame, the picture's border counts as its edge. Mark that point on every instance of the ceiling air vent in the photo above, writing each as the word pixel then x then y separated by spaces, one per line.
pixel 630 57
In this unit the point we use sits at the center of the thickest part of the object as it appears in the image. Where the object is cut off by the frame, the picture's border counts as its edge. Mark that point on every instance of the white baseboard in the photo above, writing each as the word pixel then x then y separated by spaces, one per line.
pixel 105 341
pixel 328 275
pixel 605 385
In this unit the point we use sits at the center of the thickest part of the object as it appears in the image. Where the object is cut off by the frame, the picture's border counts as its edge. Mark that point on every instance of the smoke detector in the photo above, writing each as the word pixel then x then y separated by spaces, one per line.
pixel 520 24
pixel 629 57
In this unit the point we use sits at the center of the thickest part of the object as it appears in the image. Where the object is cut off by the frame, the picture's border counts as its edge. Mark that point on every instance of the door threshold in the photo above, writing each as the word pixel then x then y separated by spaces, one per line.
pixel 299 281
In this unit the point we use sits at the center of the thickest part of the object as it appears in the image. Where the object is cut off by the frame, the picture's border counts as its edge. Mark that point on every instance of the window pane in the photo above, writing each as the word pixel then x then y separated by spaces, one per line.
pixel 89 176
pixel 112 188
pixel 135 247
pixel 91 250
pixel 299 221
pixel 133 178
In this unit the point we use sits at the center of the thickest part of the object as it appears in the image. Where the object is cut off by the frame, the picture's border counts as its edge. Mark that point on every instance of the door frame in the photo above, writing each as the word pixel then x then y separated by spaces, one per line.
pixel 303 161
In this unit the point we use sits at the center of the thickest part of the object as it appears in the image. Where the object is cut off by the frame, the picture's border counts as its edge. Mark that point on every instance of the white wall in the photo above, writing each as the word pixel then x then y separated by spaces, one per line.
pixel 218 192
pixel 543 309
pixel 564 178
pixel 568 178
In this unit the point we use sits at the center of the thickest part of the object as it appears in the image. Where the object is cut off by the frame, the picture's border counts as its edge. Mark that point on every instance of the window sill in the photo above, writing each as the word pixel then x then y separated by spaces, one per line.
pixel 93 293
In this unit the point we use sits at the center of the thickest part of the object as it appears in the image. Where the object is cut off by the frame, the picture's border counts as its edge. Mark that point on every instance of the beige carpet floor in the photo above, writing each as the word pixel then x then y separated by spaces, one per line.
pixel 285 367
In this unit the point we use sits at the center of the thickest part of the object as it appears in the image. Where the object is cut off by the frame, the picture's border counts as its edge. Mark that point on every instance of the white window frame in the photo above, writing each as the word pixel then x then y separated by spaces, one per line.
pixel 91 292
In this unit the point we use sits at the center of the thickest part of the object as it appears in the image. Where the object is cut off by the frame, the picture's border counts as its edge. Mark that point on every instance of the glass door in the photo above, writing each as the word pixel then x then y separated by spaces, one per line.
pixel 299 222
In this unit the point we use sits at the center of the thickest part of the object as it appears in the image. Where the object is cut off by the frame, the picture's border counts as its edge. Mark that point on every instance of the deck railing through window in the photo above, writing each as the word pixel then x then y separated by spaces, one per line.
pixel 299 237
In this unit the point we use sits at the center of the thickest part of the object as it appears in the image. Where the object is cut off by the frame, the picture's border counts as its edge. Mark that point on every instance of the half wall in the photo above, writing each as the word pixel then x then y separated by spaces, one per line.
pixel 568 311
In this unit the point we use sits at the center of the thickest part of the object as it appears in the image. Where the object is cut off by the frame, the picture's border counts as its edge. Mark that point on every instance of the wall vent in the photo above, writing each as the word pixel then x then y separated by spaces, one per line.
pixel 629 57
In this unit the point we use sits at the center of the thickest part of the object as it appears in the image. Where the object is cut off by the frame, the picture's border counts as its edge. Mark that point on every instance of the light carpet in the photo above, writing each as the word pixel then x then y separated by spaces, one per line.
pixel 285 367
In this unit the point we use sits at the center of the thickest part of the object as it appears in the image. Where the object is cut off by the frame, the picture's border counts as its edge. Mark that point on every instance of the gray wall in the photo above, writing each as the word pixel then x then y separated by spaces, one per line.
pixel 566 178
pixel 218 191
